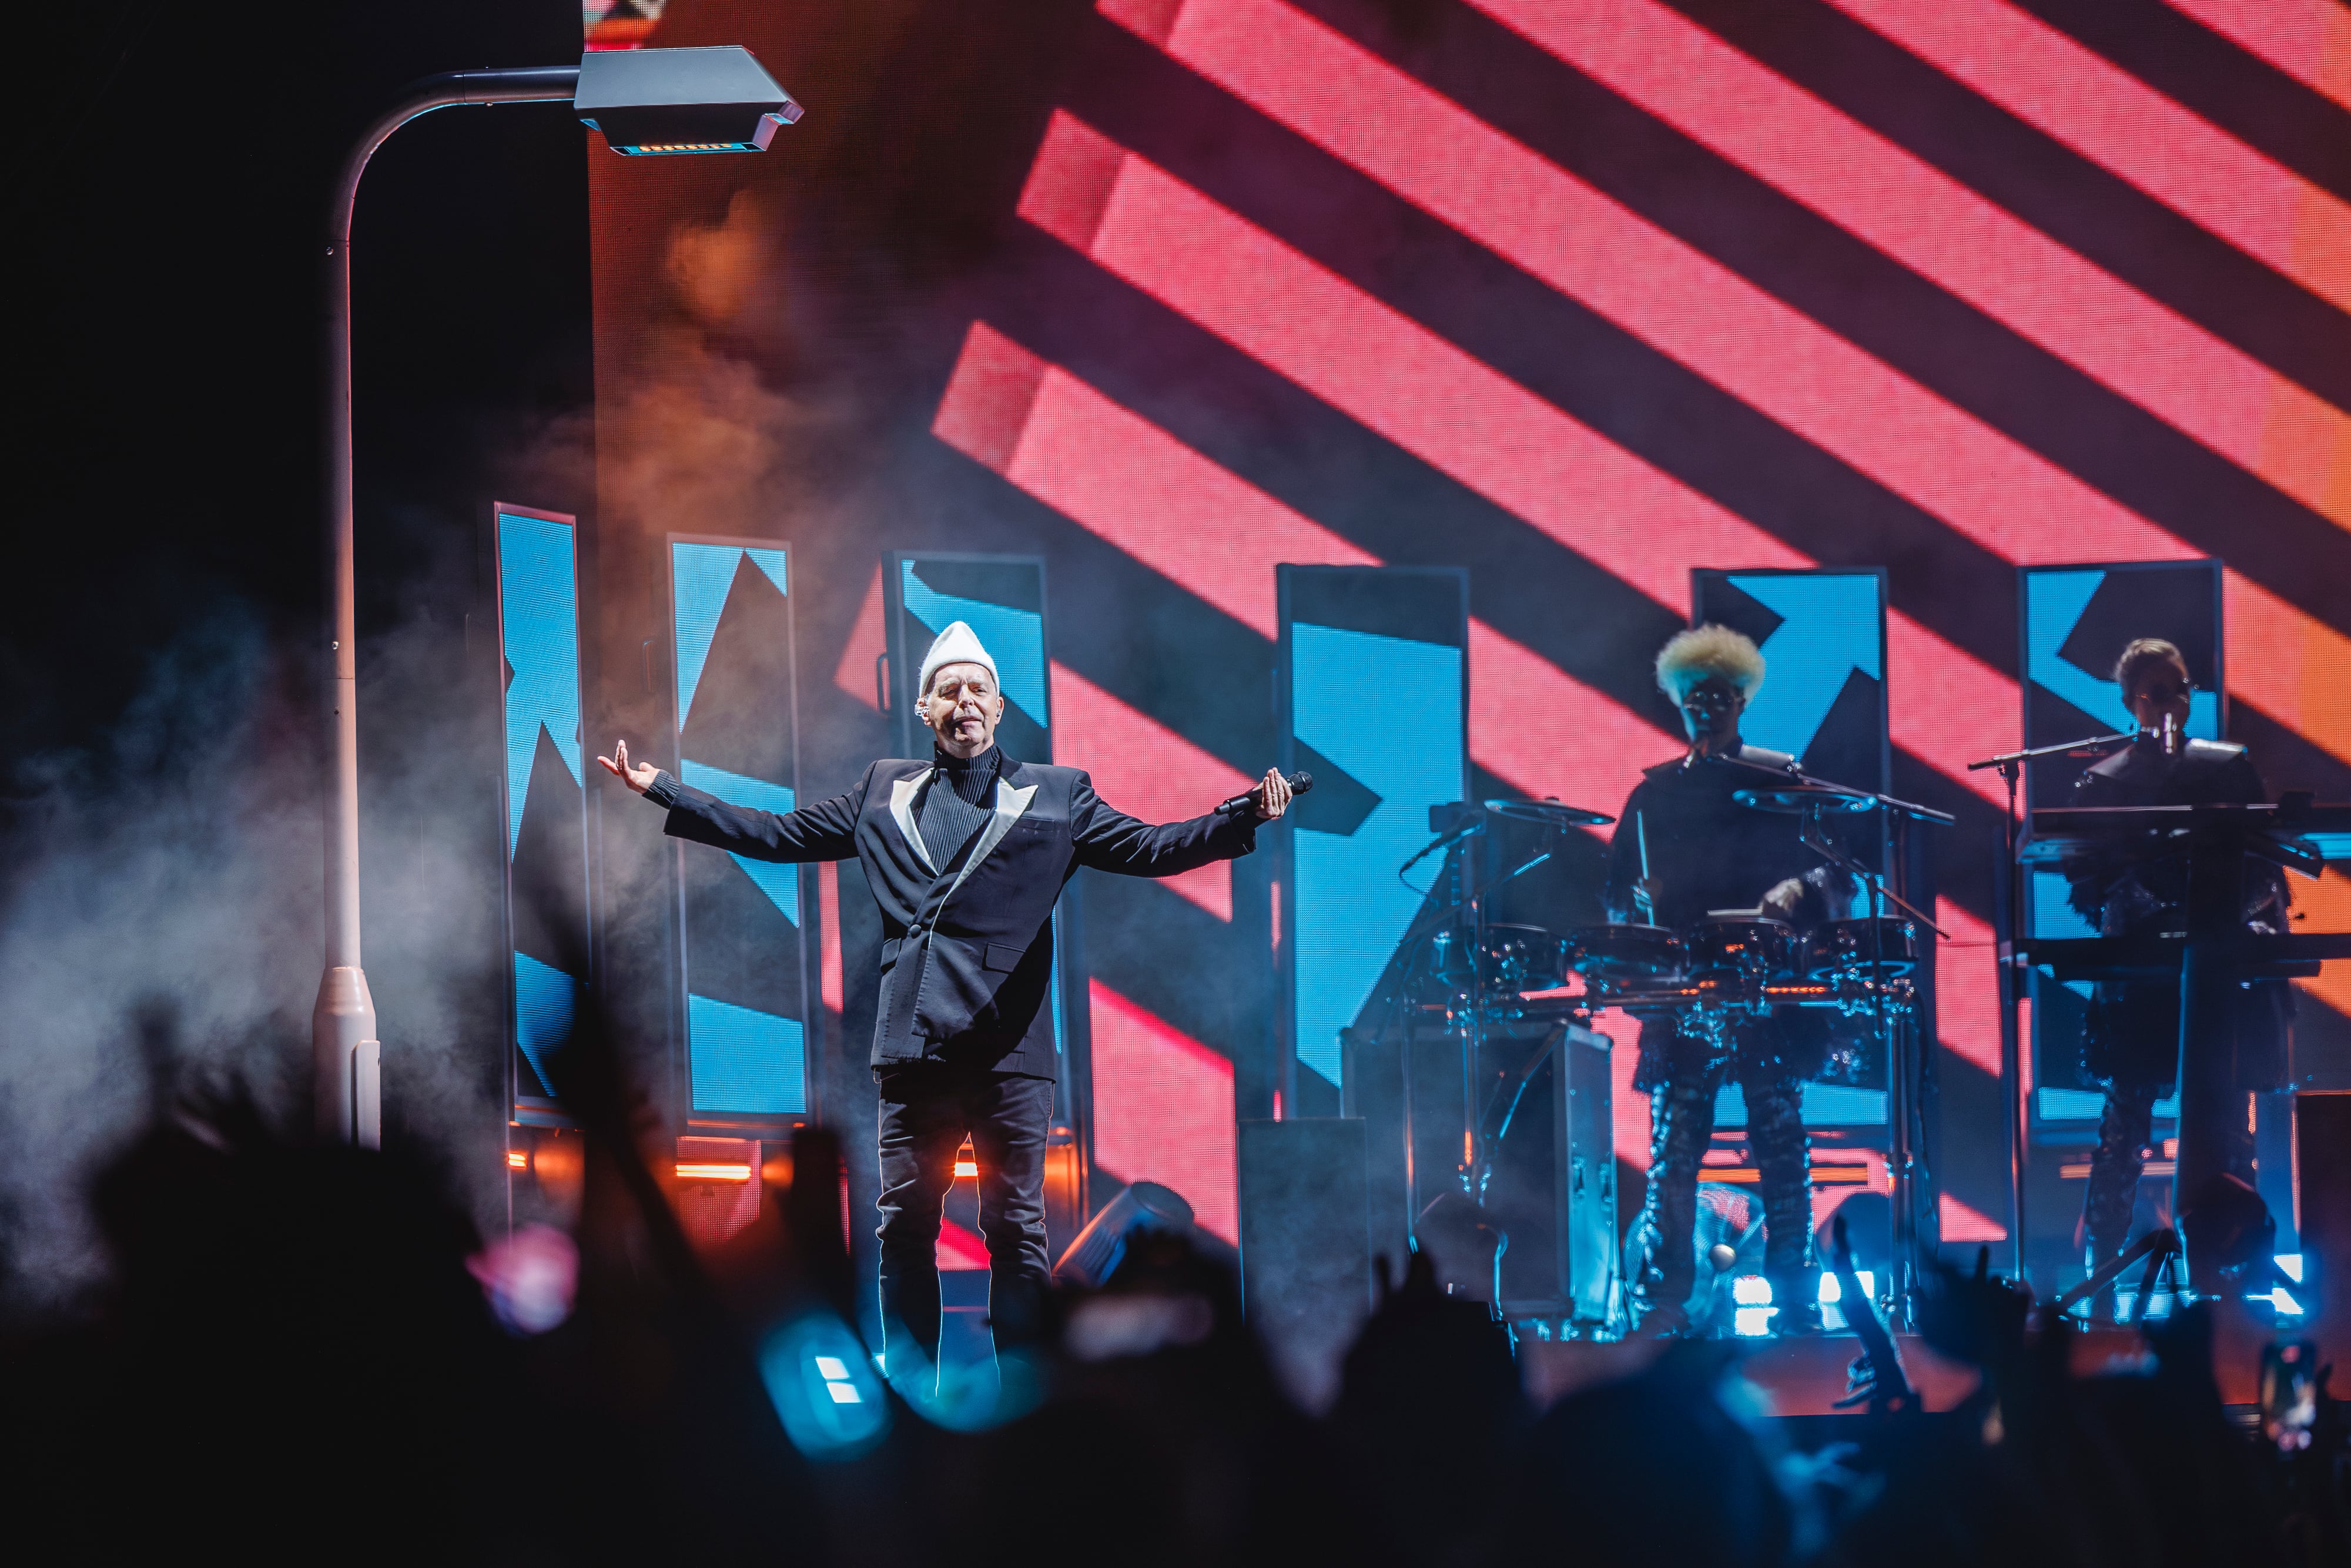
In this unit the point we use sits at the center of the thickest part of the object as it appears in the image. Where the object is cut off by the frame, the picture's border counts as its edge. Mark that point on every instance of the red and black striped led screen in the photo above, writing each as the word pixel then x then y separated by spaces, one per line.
pixel 1576 296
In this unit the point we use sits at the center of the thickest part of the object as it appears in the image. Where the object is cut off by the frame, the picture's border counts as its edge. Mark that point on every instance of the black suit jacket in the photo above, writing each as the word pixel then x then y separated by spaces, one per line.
pixel 968 949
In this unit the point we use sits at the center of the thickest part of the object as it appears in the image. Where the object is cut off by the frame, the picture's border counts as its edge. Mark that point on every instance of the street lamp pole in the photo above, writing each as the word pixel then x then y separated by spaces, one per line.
pixel 345 1053
pixel 645 102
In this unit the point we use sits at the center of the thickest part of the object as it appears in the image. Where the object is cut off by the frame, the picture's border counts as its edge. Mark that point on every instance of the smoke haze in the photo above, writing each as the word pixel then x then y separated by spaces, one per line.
pixel 165 883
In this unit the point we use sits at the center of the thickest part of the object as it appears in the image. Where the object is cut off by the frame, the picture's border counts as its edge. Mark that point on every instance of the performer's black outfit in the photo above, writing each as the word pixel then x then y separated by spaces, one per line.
pixel 966 860
pixel 1706 853
pixel 2131 1044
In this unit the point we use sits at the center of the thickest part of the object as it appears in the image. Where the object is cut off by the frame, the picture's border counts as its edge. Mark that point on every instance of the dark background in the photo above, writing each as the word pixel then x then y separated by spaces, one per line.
pixel 162 656
pixel 167 202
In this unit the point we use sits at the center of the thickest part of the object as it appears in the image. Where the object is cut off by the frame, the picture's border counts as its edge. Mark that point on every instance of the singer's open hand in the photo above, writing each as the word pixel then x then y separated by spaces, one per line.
pixel 638 778
pixel 1272 795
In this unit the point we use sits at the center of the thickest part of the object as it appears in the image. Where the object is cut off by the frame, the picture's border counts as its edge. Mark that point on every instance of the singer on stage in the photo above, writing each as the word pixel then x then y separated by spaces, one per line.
pixel 1683 849
pixel 2131 1042
pixel 967 854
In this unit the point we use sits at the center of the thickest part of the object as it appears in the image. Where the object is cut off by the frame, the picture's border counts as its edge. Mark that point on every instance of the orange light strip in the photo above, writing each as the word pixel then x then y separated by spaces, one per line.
pixel 699 1172
pixel 966 1168
pixel 518 1160
pixel 1821 1175
pixel 2081 1171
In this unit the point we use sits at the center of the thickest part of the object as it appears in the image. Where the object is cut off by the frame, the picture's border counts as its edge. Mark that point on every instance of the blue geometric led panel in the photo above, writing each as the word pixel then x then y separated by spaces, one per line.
pixel 540 613
pixel 1014 638
pixel 545 1000
pixel 1822 637
pixel 782 883
pixel 1824 1105
pixel 546 822
pixel 2088 1105
pixel 746 1062
pixel 1399 634
pixel 2075 622
pixel 2050 911
pixel 1002 600
pixel 746 959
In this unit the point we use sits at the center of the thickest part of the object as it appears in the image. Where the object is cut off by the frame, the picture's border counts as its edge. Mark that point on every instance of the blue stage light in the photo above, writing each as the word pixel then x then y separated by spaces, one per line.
pixel 823 1387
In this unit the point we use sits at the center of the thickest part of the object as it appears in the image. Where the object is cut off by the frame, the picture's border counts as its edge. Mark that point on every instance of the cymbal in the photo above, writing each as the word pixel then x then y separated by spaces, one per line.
pixel 1794 799
pixel 1547 813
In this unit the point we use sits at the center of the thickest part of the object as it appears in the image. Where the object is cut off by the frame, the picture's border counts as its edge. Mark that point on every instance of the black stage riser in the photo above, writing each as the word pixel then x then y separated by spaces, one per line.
pixel 1306 1257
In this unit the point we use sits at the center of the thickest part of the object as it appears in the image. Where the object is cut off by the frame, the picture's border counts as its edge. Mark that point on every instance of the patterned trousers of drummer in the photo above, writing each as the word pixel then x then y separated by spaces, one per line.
pixel 1682 1071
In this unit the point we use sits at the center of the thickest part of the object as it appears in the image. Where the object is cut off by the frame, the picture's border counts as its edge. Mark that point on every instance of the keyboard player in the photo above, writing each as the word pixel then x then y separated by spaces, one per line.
pixel 2131 1046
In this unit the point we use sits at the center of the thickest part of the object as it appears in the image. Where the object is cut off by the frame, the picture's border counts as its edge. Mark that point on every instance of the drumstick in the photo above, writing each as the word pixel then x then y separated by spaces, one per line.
pixel 1641 832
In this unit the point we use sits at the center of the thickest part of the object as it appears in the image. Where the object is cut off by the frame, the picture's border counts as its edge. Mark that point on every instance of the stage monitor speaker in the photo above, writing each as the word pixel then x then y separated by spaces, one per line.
pixel 1552 1186
pixel 2322 1202
pixel 1306 1257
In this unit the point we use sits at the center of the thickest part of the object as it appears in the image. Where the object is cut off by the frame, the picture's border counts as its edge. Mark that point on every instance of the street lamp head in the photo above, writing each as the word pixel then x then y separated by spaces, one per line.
pixel 657 101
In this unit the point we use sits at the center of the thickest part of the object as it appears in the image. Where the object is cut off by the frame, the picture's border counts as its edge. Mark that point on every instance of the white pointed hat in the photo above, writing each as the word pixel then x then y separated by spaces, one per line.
pixel 958 644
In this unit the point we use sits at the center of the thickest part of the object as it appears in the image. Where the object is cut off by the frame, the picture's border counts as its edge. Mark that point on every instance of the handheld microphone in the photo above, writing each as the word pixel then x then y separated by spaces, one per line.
pixel 1247 800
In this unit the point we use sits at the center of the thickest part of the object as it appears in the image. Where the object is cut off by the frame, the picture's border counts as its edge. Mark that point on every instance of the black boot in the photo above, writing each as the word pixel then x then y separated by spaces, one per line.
pixel 1782 1151
pixel 2114 1166
pixel 1681 1124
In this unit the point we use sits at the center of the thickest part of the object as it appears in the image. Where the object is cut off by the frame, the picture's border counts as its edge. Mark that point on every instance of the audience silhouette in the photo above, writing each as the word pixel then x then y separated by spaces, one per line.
pixel 307 1352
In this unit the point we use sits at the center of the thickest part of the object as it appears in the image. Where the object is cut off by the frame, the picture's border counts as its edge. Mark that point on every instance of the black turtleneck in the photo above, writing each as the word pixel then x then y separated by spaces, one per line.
pixel 952 817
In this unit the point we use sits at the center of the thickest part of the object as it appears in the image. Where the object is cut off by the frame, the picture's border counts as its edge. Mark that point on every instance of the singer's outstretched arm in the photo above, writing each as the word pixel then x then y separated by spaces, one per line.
pixel 1109 840
pixel 821 831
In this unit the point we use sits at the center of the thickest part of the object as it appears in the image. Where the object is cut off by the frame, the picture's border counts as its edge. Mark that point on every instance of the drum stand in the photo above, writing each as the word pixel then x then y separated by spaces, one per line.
pixel 1904 1124
pixel 1465 892
pixel 1812 799
pixel 1471 894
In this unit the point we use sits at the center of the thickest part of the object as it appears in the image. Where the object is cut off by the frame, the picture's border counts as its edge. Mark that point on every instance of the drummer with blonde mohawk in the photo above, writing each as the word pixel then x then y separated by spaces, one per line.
pixel 1685 850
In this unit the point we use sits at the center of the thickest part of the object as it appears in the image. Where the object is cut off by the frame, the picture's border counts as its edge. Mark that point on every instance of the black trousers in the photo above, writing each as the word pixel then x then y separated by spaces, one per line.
pixel 1683 1073
pixel 2125 1128
pixel 927 1108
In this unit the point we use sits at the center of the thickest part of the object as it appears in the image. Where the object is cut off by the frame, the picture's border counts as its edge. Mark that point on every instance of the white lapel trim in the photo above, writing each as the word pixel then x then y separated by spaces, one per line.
pixel 902 811
pixel 1009 805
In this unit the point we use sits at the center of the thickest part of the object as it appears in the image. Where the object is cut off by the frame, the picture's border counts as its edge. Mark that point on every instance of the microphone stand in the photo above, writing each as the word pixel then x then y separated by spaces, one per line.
pixel 1902 1109
pixel 2007 920
pixel 1790 777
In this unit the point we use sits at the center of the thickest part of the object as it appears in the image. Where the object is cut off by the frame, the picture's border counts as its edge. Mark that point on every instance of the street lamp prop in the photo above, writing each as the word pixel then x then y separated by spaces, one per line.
pixel 643 101
pixel 657 101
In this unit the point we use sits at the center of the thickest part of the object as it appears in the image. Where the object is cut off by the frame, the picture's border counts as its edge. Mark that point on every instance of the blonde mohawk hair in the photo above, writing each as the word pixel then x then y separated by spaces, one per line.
pixel 1709 650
